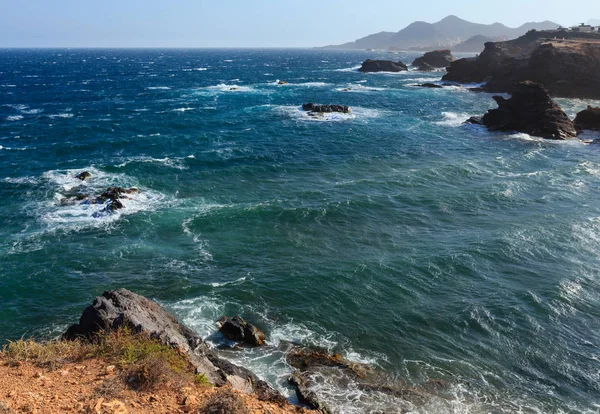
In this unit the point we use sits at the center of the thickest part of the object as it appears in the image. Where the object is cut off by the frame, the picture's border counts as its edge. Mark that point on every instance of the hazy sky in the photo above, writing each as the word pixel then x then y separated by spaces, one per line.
pixel 257 23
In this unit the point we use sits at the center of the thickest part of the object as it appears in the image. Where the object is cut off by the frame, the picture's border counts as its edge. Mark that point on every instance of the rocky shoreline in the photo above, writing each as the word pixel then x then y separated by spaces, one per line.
pixel 122 309
pixel 567 64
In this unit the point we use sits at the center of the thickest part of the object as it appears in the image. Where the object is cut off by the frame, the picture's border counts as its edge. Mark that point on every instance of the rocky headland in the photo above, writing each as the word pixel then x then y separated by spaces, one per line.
pixel 566 63
pixel 433 60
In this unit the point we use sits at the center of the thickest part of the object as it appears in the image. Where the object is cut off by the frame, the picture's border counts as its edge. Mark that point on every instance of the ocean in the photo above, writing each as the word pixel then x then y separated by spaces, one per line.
pixel 394 235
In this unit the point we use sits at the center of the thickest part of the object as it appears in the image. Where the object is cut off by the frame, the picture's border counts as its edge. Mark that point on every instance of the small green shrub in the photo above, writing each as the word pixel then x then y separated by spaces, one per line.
pixel 201 379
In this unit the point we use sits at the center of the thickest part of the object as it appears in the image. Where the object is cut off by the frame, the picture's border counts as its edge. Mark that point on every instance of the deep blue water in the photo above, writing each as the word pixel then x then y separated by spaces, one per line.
pixel 396 235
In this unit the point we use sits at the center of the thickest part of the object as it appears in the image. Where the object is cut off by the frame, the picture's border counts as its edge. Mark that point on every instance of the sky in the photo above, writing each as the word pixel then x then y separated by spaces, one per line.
pixel 257 23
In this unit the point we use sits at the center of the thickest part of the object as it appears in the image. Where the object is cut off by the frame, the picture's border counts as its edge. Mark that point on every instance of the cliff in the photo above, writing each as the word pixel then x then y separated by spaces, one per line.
pixel 567 64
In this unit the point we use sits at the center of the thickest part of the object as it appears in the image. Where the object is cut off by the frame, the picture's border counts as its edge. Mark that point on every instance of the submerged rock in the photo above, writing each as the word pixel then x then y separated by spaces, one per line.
pixel 588 119
pixel 282 82
pixel 122 308
pixel 238 329
pixel 530 110
pixel 371 66
pixel 84 175
pixel 316 108
pixel 436 59
pixel 430 85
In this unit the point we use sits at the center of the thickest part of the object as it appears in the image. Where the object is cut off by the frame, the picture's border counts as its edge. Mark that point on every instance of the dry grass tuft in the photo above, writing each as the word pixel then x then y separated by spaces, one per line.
pixel 224 401
pixel 49 355
pixel 145 362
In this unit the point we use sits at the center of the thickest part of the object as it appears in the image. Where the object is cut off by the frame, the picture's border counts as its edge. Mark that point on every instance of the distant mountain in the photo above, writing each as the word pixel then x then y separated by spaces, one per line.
pixel 474 44
pixel 448 32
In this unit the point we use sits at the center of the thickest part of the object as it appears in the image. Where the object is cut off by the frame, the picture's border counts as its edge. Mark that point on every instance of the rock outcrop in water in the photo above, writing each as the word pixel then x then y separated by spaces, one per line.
pixel 322 109
pixel 84 175
pixel 372 66
pixel 315 370
pixel 588 119
pixel 122 308
pixel 112 197
pixel 529 110
pixel 436 59
pixel 238 329
pixel 566 63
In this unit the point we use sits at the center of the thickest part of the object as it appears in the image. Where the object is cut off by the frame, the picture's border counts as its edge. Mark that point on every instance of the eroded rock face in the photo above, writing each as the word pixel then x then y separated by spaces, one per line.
pixel 123 308
pixel 530 110
pixel 238 329
pixel 371 66
pixel 588 119
pixel 316 108
pixel 436 59
pixel 567 68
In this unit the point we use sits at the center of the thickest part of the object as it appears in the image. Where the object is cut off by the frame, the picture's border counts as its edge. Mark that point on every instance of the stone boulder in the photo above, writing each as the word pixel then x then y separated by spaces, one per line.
pixel 316 108
pixel 122 308
pixel 112 198
pixel 436 59
pixel 372 66
pixel 238 329
pixel 530 110
pixel 84 175
pixel 588 119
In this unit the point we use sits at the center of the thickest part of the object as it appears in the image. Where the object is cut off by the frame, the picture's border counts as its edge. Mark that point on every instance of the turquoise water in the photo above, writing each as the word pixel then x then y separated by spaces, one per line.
pixel 395 235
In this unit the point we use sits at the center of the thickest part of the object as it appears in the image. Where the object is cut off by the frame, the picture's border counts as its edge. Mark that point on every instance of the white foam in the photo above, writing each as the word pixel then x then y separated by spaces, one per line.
pixel 14 118
pixel 195 69
pixel 358 88
pixel 298 113
pixel 232 282
pixel 225 88
pixel 352 69
pixel 158 88
pixel 183 109
pixel 58 213
pixel 61 115
pixel 453 119
pixel 176 162
pixel 32 111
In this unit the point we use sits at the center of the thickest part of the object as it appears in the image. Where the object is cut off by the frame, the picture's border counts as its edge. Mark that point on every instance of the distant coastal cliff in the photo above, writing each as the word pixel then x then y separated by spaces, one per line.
pixel 566 63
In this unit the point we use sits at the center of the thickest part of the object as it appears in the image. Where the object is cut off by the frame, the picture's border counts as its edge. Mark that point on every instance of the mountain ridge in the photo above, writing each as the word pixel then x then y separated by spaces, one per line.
pixel 446 33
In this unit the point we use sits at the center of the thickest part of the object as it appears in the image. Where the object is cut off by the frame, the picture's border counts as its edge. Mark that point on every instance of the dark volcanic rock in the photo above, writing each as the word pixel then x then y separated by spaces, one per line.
pixel 566 67
pixel 425 67
pixel 238 329
pixel 122 308
pixel 301 383
pixel 532 111
pixel 370 66
pixel 84 175
pixel 588 119
pixel 316 108
pixel 430 85
pixel 436 59
pixel 477 120
pixel 112 198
